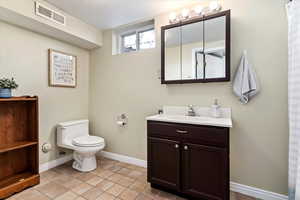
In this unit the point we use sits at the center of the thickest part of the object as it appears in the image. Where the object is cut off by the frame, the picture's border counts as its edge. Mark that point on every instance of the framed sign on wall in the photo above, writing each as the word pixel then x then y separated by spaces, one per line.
pixel 62 69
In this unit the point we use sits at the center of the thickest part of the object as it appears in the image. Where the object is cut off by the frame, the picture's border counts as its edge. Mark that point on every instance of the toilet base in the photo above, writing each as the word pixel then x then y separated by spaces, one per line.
pixel 84 162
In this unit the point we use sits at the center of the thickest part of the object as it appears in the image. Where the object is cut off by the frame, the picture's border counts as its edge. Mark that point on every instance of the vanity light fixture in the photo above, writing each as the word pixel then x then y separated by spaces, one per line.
pixel 199 10
pixel 185 13
pixel 215 6
pixel 172 17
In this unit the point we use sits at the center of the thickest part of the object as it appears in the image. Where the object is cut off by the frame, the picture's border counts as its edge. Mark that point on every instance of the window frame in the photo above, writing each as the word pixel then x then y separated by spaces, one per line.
pixel 135 31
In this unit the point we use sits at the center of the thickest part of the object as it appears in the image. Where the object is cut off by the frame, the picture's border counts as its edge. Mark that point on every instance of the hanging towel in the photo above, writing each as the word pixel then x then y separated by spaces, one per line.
pixel 245 83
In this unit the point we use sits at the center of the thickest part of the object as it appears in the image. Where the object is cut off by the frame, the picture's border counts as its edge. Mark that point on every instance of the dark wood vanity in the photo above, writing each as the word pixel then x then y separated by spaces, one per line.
pixel 189 160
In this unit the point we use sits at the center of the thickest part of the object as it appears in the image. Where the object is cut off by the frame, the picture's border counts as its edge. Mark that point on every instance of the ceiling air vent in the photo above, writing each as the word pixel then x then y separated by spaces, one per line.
pixel 46 12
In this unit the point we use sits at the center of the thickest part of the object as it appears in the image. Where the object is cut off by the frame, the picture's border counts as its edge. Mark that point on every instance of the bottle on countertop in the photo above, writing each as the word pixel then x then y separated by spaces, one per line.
pixel 160 111
pixel 215 109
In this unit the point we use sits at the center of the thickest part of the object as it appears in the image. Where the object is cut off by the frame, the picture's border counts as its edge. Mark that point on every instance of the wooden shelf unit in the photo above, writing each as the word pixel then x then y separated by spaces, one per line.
pixel 19 159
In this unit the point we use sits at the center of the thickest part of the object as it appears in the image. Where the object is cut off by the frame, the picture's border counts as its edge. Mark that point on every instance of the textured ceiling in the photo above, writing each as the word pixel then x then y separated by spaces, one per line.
pixel 106 14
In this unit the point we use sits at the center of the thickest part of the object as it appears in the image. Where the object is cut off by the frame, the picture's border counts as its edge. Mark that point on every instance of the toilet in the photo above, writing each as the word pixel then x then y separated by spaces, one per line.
pixel 74 135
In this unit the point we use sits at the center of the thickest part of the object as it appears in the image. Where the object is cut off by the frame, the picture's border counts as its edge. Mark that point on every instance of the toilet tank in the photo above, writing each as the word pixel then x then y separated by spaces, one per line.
pixel 67 131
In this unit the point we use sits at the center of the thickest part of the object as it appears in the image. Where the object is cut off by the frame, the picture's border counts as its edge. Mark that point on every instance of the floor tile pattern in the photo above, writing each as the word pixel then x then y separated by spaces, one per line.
pixel 112 180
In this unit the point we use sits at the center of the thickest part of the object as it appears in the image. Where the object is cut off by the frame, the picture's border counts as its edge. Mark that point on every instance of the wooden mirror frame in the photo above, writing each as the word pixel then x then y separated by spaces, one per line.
pixel 227 48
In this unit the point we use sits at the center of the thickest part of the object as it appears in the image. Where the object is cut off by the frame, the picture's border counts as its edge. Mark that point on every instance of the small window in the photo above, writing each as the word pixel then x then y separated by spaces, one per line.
pixel 147 39
pixel 129 43
pixel 138 39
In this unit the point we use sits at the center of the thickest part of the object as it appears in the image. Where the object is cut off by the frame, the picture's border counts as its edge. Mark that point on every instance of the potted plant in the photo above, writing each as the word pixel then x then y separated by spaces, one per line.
pixel 6 85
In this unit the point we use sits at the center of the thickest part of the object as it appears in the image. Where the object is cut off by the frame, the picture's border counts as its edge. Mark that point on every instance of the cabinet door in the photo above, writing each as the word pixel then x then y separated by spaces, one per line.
pixel 163 162
pixel 205 172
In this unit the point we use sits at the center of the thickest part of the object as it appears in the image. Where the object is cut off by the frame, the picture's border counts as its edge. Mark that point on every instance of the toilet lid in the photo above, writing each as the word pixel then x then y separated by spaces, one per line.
pixel 88 141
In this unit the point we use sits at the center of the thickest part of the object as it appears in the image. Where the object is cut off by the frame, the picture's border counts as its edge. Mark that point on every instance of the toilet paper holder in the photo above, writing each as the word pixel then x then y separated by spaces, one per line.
pixel 122 120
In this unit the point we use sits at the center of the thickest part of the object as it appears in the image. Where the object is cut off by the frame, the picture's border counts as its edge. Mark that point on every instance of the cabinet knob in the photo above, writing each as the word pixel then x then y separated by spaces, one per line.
pixel 176 146
pixel 186 147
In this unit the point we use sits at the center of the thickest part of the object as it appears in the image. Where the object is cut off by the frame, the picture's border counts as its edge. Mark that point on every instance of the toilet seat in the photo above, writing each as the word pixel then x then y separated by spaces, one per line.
pixel 88 141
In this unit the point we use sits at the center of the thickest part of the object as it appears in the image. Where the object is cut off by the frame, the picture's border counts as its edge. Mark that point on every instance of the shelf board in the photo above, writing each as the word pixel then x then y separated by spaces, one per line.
pixel 16 145
pixel 17 183
pixel 23 98
pixel 14 179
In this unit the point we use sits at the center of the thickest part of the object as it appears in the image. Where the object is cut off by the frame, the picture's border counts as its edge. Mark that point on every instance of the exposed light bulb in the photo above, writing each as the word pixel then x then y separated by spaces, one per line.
pixel 198 9
pixel 185 13
pixel 172 17
pixel 214 6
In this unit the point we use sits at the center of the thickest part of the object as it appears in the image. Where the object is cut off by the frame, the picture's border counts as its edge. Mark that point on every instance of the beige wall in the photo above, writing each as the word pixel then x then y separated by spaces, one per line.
pixel 129 84
pixel 24 55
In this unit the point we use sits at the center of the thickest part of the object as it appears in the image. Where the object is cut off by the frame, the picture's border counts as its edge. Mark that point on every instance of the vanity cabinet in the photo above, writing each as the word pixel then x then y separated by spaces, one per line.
pixel 165 169
pixel 191 160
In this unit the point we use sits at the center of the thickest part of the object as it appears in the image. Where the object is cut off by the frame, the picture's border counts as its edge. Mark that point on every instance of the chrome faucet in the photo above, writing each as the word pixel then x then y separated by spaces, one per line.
pixel 191 111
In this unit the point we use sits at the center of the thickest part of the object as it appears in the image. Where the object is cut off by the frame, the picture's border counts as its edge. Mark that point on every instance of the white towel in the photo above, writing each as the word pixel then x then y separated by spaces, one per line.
pixel 245 83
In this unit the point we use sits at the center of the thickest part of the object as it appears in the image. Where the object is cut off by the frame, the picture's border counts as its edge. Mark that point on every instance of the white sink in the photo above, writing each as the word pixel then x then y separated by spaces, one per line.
pixel 224 121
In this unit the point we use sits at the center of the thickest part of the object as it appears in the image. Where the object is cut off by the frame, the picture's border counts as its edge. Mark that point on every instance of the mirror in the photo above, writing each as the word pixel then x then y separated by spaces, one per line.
pixel 192 44
pixel 197 50
pixel 173 54
pixel 214 50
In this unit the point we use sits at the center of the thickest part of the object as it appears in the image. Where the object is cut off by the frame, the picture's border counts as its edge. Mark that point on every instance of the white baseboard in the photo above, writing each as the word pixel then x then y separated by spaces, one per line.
pixel 125 159
pixel 256 192
pixel 55 163
pixel 235 187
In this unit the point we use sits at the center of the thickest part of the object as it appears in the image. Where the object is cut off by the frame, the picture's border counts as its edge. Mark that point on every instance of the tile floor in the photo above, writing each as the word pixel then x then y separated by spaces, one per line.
pixel 112 180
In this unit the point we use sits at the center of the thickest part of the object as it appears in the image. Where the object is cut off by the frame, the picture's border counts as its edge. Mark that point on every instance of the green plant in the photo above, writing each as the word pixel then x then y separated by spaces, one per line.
pixel 6 83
